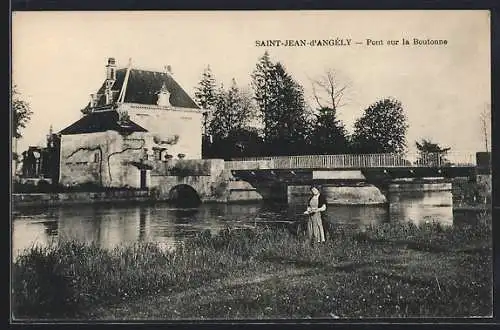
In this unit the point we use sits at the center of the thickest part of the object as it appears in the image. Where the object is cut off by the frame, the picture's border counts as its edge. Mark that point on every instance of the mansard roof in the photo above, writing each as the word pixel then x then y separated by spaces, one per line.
pixel 143 87
pixel 102 121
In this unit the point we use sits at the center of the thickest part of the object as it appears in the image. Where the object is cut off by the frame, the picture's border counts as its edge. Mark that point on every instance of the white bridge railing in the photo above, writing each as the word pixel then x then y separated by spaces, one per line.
pixel 353 161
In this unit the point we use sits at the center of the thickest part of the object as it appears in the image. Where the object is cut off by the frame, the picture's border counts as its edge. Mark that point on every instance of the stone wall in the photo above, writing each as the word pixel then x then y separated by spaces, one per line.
pixel 102 158
pixel 207 177
pixel 81 159
pixel 53 199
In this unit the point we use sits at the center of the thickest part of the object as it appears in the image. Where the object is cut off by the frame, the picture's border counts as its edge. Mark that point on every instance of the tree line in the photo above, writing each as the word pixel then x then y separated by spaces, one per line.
pixel 272 118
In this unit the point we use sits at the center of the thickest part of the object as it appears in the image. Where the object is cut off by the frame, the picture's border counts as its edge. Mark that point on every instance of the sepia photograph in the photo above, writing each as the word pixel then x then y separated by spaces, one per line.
pixel 250 165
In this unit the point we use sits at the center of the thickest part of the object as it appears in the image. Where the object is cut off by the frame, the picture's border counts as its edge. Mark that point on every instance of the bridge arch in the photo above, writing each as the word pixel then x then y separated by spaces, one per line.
pixel 184 195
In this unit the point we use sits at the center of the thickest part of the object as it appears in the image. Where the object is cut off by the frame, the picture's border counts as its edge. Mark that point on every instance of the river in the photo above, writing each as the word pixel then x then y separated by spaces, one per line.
pixel 112 225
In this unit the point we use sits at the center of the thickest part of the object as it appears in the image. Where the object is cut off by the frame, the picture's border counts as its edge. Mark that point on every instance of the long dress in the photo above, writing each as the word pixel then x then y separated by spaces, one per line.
pixel 315 225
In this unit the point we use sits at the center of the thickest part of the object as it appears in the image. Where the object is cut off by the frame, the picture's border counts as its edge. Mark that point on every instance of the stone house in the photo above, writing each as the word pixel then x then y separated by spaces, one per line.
pixel 136 116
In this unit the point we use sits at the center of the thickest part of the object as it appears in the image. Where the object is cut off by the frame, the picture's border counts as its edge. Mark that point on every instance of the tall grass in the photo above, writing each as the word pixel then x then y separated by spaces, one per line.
pixel 66 279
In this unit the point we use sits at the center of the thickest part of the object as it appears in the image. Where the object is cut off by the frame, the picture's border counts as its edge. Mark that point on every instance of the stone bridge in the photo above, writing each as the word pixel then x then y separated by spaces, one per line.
pixel 353 178
pixel 362 178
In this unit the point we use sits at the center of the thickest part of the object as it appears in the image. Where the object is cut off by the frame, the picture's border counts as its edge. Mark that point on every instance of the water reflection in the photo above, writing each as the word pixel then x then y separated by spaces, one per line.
pixel 143 221
pixel 28 232
pixel 422 207
pixel 109 226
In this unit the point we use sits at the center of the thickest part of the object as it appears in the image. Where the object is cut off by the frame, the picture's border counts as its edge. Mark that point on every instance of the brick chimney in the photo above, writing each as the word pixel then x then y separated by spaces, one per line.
pixel 110 79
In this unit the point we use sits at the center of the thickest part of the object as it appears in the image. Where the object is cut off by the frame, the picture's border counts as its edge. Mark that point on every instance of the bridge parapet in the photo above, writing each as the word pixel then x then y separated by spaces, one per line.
pixel 258 164
pixel 356 161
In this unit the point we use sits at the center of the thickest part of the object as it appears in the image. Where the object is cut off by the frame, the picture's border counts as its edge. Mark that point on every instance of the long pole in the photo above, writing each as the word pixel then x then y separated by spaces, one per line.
pixel 121 97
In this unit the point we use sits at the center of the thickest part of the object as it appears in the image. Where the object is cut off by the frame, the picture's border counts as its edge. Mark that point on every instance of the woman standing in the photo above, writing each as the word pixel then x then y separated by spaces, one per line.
pixel 316 205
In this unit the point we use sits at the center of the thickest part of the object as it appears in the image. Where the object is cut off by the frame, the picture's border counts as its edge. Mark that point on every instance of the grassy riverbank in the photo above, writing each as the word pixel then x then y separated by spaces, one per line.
pixel 388 270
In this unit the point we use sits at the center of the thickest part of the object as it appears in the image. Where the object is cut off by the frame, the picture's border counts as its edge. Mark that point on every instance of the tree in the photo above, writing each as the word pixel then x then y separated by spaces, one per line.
pixel 431 153
pixel 233 110
pixel 329 92
pixel 381 129
pixel 206 95
pixel 264 86
pixel 426 146
pixel 21 113
pixel 329 135
pixel 282 107
pixel 485 118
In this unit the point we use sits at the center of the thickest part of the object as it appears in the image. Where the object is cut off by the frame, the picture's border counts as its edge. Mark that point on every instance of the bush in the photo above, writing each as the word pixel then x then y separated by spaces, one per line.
pixel 470 192
pixel 59 280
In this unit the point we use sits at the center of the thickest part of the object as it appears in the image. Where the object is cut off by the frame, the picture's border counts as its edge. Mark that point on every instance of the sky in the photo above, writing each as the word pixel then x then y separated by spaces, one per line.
pixel 59 58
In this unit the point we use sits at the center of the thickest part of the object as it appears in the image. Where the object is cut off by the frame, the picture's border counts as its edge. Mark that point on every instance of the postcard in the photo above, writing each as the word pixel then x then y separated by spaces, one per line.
pixel 251 165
